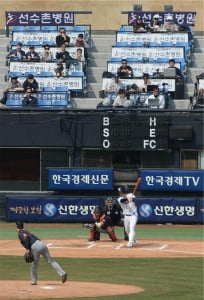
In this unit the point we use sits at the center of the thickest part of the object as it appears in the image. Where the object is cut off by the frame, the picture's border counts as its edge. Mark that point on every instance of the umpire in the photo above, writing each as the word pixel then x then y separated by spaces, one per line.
pixel 113 210
pixel 37 247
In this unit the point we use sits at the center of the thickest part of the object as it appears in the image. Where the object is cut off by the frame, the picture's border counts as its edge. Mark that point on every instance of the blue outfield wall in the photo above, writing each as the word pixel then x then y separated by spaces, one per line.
pixel 80 209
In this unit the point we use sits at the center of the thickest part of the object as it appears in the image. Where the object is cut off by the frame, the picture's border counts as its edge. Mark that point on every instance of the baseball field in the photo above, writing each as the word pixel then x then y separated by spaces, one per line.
pixel 166 263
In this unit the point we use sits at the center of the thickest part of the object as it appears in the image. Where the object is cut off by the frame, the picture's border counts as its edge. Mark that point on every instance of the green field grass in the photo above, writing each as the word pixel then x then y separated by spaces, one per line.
pixel 68 231
pixel 161 278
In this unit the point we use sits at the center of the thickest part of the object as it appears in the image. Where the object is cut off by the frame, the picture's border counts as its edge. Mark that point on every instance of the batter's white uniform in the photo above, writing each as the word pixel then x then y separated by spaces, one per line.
pixel 130 216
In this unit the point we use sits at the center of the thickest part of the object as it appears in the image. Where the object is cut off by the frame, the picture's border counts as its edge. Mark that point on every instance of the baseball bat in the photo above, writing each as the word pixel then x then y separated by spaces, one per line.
pixel 137 184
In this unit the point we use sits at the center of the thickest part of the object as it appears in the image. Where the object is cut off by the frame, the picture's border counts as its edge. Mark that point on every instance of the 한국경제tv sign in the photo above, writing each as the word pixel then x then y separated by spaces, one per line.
pixel 172 180
pixel 39 18
pixel 80 179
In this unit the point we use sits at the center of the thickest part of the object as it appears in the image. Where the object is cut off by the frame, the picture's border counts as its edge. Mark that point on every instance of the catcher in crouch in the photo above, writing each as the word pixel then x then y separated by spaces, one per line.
pixel 102 224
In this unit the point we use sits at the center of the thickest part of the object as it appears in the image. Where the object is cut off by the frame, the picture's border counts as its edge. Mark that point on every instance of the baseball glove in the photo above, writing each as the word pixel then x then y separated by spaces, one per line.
pixel 87 226
pixel 28 257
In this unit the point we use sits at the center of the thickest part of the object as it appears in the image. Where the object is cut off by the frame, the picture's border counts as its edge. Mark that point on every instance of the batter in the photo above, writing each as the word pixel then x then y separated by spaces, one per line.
pixel 127 203
pixel 37 247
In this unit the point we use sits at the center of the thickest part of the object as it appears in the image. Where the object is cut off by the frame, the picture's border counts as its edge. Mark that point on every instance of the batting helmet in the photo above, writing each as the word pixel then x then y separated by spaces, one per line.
pixel 121 189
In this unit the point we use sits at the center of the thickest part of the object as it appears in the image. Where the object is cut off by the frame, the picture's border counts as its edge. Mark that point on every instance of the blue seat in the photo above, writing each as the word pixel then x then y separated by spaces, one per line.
pixel 49 28
pixel 136 44
pixel 132 59
pixel 121 44
pixel 79 74
pixel 59 103
pixel 166 44
pixel 14 102
pixel 33 28
pixel 46 74
pixel 33 43
pixel 162 60
pixel 153 44
pixel 50 43
pixel 45 103
pixel 79 28
pixel 19 28
pixel 115 59
pixel 33 73
pixel 61 89
pixel 67 27
pixel 125 28
pixel 18 74
pixel 47 89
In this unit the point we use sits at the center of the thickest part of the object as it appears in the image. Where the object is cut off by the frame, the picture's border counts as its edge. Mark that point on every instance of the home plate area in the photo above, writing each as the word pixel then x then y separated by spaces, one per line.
pixel 81 247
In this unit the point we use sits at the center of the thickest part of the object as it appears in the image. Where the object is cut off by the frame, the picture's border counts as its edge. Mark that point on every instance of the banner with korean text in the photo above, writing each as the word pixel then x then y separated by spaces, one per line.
pixel 39 18
pixel 80 209
pixel 172 180
pixel 50 209
pixel 80 179
pixel 182 18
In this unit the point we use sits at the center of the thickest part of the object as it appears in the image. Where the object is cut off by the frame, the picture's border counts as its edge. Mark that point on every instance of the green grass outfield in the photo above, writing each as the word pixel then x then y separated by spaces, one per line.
pixel 161 278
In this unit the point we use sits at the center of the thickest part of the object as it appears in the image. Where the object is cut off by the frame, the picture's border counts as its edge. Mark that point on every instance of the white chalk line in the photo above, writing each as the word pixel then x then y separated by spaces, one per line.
pixel 161 248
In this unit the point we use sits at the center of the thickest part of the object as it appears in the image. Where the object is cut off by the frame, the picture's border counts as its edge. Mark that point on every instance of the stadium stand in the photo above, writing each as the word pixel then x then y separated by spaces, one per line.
pixel 74 80
pixel 149 52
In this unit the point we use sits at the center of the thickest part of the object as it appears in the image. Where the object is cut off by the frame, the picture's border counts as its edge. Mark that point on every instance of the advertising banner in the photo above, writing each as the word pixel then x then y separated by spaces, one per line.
pixel 172 180
pixel 39 18
pixel 170 210
pixel 158 37
pixel 80 209
pixel 80 179
pixel 181 18
pixel 152 52
pixel 39 209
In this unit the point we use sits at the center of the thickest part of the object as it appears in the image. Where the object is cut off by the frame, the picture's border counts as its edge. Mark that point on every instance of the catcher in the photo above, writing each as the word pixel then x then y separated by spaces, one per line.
pixel 102 224
pixel 34 248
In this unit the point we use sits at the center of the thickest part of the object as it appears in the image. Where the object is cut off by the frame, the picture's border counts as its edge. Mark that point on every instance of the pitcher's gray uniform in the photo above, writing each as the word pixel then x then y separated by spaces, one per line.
pixel 127 203
pixel 32 243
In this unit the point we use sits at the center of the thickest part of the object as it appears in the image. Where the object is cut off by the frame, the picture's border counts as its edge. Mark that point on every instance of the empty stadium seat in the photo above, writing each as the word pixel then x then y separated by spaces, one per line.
pixel 19 28
pixel 61 89
pixel 153 44
pixel 14 102
pixel 18 74
pixel 46 74
pixel 136 44
pixel 49 28
pixel 47 88
pixel 121 44
pixel 59 103
pixel 115 59
pixel 79 28
pixel 33 28
pixel 78 74
pixel 166 44
pixel 46 103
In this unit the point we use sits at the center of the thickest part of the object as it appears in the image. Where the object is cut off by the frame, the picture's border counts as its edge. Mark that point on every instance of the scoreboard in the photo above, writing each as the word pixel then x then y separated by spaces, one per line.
pixel 133 132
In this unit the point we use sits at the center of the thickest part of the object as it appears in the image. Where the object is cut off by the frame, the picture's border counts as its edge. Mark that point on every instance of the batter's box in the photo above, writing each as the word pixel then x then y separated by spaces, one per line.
pixel 152 246
pixel 68 246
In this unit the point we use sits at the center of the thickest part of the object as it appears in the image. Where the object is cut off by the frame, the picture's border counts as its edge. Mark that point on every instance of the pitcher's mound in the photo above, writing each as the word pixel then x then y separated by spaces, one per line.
pixel 55 289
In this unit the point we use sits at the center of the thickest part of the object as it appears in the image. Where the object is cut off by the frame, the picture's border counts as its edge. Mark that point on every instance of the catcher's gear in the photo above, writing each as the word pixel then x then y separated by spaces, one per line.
pixel 28 257
pixel 87 226
pixel 98 210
